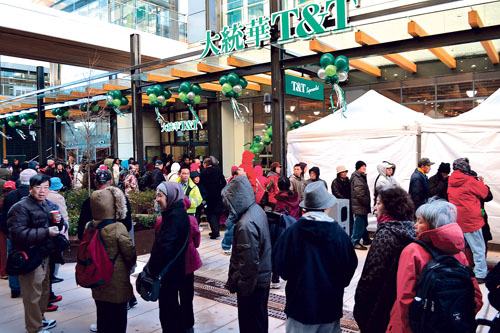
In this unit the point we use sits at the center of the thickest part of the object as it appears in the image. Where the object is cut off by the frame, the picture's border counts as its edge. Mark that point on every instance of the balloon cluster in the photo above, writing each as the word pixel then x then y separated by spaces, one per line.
pixel 61 113
pixel 233 85
pixel 268 137
pixel 115 99
pixel 13 121
pixel 93 107
pixel 189 94
pixel 158 96
pixel 333 70
pixel 295 124
pixel 260 143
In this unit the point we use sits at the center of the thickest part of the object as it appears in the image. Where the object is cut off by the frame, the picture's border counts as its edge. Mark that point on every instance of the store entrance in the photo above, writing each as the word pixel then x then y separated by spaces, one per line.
pixel 178 151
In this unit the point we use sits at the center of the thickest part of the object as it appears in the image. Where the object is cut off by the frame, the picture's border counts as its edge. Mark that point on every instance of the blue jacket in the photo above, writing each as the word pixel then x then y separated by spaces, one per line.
pixel 318 260
pixel 419 188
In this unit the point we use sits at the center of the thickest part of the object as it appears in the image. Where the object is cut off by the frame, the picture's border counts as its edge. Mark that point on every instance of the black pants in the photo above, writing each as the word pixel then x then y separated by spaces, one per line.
pixel 214 220
pixel 252 311
pixel 175 317
pixel 111 317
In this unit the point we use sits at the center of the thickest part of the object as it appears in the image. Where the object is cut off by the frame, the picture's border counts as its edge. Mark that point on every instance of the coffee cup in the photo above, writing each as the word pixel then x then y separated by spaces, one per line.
pixel 53 215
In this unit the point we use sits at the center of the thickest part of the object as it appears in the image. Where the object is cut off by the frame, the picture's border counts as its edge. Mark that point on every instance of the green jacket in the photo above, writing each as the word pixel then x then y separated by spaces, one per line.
pixel 193 193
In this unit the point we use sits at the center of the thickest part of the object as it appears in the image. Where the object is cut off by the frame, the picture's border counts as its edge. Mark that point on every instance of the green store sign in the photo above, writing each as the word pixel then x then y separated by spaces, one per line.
pixel 311 20
pixel 298 86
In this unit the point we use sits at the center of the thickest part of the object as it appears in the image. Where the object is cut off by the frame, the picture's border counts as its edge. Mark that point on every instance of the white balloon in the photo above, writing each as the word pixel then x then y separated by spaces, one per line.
pixel 237 88
pixel 161 99
pixel 321 74
pixel 342 76
pixel 58 118
pixel 23 121
pixel 191 95
pixel 109 98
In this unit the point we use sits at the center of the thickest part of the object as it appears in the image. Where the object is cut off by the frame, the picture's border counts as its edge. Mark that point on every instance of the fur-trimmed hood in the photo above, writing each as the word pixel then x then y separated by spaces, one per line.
pixel 108 203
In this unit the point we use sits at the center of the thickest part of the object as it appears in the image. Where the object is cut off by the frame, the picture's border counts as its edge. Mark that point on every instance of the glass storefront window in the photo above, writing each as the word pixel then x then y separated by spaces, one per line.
pixel 255 11
pixel 242 11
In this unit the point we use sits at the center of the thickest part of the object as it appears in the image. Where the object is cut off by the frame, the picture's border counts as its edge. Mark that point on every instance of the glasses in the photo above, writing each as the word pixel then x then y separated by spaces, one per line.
pixel 39 188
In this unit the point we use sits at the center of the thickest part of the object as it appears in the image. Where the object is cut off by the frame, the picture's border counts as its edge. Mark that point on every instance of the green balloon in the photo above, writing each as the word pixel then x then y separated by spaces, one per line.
pixel 124 101
pixel 157 89
pixel 83 107
pixel 95 108
pixel 342 63
pixel 117 102
pixel 267 140
pixel 233 78
pixel 152 98
pixel 269 131
pixel 167 94
pixel 150 91
pixel 226 87
pixel 30 121
pixel 328 80
pixel 11 123
pixel 334 79
pixel 110 93
pixel 110 104
pixel 117 94
pixel 185 87
pixel 66 114
pixel 326 59
pixel 18 123
pixel 243 83
pixel 154 104
pixel 186 101
pixel 196 88
pixel 222 80
pixel 330 70
pixel 230 94
pixel 239 94
pixel 164 103
pixel 197 99
pixel 257 138
pixel 182 96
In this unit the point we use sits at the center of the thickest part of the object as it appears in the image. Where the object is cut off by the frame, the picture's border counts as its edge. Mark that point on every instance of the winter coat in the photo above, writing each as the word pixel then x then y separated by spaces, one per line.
pixel 213 180
pixel 130 183
pixel 438 186
pixel 288 202
pixel 247 166
pixel 194 194
pixel 116 174
pixel 9 200
pixel 65 179
pixel 360 194
pixel 59 200
pixel 28 222
pixel 193 260
pixel 297 185
pixel 464 192
pixel 4 175
pixel 382 179
pixel 169 241
pixel 376 290
pixel 448 239
pixel 272 188
pixel 117 243
pixel 317 259
pixel 157 177
pixel 250 263
pixel 341 188
pixel 260 181
pixel 419 188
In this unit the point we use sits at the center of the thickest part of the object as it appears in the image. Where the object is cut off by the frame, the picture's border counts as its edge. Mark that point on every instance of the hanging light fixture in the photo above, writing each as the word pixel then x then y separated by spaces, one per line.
pixel 267 102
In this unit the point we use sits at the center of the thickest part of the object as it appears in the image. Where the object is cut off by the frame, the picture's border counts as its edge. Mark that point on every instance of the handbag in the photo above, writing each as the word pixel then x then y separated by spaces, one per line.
pixel 23 262
pixel 149 286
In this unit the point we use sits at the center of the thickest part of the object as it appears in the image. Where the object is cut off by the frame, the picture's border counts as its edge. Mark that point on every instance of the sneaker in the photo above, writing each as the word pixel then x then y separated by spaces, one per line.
pixel 275 285
pixel 4 277
pixel 360 247
pixel 226 252
pixel 48 323
pixel 52 308
pixel 93 328
pixel 55 299
pixel 367 242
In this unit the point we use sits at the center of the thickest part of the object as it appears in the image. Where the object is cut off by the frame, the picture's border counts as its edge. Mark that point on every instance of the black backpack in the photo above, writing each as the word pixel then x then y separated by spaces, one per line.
pixel 445 296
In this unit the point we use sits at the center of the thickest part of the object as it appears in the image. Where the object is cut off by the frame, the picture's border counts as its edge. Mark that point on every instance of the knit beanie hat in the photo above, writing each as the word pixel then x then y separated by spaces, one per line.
pixel 25 176
pixel 444 168
pixel 359 164
pixel 462 164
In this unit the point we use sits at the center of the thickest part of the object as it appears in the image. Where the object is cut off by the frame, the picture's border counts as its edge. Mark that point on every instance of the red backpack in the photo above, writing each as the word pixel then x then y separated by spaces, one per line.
pixel 94 268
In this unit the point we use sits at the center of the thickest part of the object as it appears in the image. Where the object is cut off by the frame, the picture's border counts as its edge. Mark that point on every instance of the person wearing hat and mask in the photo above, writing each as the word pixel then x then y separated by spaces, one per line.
pixel 21 191
pixel 271 183
pixel 360 203
pixel 438 184
pixel 317 259
pixel 419 184
pixel 314 177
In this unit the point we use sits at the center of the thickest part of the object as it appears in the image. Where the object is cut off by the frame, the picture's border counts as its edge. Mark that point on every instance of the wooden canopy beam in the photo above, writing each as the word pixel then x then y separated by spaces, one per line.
pixel 476 22
pixel 320 47
pixel 363 38
pixel 207 68
pixel 182 73
pixel 159 78
pixel 415 30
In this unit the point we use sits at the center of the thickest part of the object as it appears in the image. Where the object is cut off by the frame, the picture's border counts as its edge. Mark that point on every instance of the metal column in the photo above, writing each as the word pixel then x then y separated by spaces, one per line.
pixel 278 96
pixel 214 129
pixel 137 127
pixel 41 130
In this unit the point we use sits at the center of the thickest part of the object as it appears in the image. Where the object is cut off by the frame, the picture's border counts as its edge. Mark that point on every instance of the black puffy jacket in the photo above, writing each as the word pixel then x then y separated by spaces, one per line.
pixel 10 200
pixel 360 194
pixel 250 264
pixel 213 180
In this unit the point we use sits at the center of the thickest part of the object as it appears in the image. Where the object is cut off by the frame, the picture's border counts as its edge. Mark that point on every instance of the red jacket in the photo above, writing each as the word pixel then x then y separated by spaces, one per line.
pixel 464 192
pixel 247 165
pixel 290 202
pixel 261 180
pixel 449 239
pixel 273 189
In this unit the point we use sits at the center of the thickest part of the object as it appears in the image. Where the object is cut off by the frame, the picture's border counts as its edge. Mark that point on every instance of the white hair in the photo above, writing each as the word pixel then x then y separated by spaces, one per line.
pixel 437 213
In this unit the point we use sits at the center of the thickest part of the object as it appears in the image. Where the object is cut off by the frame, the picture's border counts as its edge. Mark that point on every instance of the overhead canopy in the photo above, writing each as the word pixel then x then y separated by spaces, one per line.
pixel 474 135
pixel 374 129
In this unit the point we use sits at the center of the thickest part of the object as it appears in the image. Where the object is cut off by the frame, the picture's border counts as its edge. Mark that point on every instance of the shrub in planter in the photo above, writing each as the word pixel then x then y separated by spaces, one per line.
pixel 142 202
pixel 74 202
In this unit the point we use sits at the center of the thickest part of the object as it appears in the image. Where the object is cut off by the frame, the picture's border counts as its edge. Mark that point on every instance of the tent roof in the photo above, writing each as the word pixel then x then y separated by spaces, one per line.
pixel 371 115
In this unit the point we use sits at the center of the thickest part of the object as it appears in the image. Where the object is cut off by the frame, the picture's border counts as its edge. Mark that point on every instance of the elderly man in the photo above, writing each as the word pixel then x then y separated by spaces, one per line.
pixel 419 184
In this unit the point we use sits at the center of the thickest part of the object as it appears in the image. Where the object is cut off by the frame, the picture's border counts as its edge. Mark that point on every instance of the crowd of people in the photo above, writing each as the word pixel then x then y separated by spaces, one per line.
pixel 308 249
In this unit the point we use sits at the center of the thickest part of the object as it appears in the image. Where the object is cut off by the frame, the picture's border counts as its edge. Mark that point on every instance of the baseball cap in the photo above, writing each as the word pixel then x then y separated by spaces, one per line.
pixel 103 176
pixel 159 162
pixel 425 161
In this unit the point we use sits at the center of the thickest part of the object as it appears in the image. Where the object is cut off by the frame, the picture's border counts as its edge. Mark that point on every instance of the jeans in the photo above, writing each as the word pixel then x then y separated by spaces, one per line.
pixel 476 243
pixel 227 241
pixel 295 326
pixel 13 280
pixel 214 220
pixel 252 311
pixel 359 230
